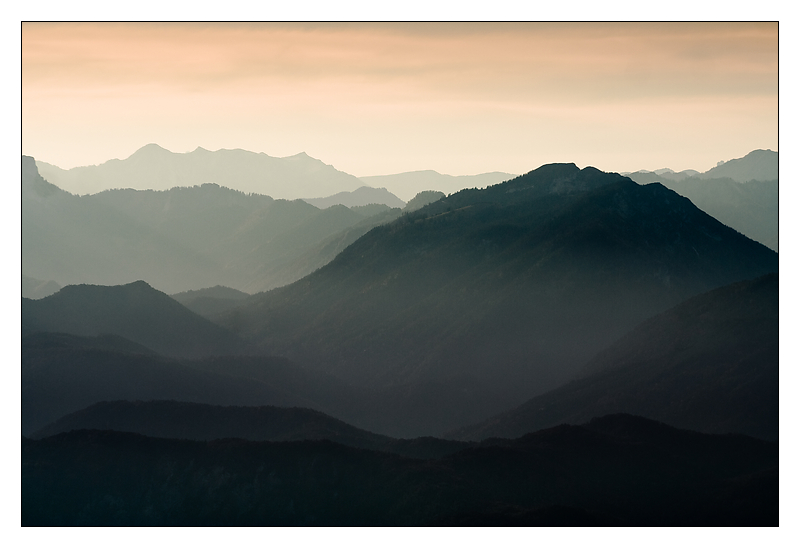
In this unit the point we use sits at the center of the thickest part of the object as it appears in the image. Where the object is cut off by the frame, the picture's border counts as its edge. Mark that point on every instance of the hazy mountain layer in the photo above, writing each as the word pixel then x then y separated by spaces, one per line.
pixel 422 199
pixel 758 165
pixel 507 291
pixel 210 301
pixel 183 238
pixel 360 197
pixel 709 364
pixel 37 289
pixel 153 167
pixel 618 470
pixel 407 185
pixel 136 312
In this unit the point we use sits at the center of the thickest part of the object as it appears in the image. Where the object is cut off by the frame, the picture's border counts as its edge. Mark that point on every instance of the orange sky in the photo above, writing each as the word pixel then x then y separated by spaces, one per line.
pixel 374 99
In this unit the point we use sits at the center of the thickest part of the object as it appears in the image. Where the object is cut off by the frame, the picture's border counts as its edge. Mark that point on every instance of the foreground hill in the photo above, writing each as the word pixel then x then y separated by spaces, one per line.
pixel 134 311
pixel 177 239
pixel 155 168
pixel 618 470
pixel 709 364
pixel 504 292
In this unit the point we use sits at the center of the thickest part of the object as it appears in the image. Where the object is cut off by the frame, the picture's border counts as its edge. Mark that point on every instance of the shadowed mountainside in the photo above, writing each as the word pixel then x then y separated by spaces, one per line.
pixel 709 364
pixel 617 470
pixel 505 291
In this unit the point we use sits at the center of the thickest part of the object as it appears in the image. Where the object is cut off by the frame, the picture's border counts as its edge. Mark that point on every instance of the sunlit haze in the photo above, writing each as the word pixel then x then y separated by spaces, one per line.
pixel 373 99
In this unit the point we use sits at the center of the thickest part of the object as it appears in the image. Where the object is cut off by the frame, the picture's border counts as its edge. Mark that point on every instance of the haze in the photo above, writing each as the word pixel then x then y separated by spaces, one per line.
pixel 375 99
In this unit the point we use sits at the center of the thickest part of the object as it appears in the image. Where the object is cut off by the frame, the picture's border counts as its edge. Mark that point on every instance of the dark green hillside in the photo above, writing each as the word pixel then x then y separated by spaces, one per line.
pixel 618 470
pixel 508 289
pixel 709 364
pixel 135 311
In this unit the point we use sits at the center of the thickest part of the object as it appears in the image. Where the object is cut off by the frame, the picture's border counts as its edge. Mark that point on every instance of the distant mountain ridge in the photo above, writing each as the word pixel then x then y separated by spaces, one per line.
pixel 362 196
pixel 177 239
pixel 155 168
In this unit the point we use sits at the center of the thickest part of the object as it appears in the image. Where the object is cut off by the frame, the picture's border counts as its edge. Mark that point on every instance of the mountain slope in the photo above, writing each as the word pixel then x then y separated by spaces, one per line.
pixel 504 291
pixel 752 208
pixel 136 312
pixel 709 364
pixel 153 167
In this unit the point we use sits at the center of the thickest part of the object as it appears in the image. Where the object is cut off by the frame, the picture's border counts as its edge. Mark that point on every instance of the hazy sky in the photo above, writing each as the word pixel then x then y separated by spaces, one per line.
pixel 374 99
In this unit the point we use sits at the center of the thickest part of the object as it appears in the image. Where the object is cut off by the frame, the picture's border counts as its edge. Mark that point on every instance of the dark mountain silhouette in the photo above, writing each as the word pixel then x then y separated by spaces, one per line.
pixel 409 184
pixel 153 167
pixel 195 421
pixel 210 301
pixel 709 364
pixel 134 311
pixel 503 292
pixel 422 199
pixel 180 239
pixel 758 165
pixel 741 193
pixel 751 208
pixel 37 289
pixel 617 470
pixel 361 196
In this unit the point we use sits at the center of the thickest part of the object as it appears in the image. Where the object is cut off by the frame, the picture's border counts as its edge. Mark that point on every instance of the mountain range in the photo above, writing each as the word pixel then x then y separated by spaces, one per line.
pixel 504 292
pixel 179 239
pixel 218 357
pixel 155 168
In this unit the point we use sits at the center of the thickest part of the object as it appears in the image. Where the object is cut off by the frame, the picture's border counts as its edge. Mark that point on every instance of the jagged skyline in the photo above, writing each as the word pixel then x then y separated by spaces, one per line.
pixel 374 99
